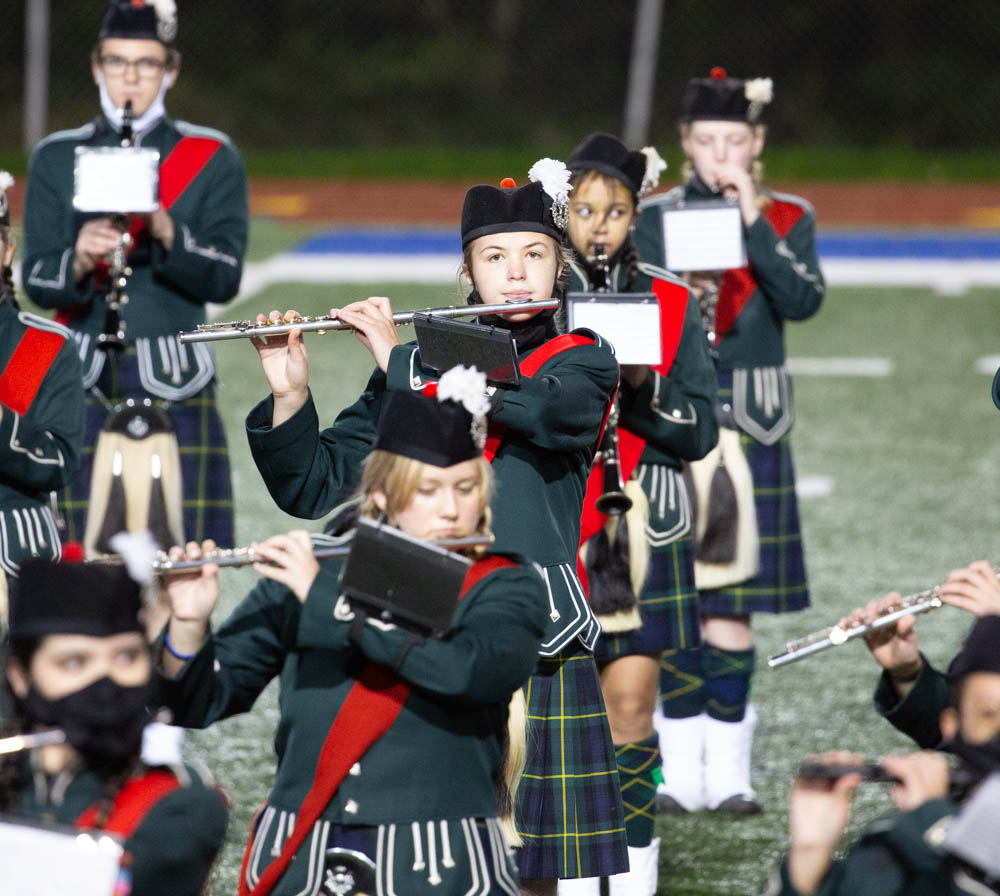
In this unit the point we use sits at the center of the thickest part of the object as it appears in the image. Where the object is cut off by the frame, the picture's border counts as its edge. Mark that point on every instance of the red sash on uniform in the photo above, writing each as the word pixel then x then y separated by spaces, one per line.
pixel 738 284
pixel 673 301
pixel 177 172
pixel 132 803
pixel 31 360
pixel 529 367
pixel 368 712
pixel 495 432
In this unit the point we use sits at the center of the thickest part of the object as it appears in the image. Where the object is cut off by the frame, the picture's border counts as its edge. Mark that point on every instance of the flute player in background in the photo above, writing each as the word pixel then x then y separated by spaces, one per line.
pixel 911 693
pixel 909 852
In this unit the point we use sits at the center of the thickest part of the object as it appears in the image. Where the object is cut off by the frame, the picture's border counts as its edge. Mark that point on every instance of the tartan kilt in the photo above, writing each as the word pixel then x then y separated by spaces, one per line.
pixel 668 603
pixel 208 497
pixel 780 586
pixel 569 807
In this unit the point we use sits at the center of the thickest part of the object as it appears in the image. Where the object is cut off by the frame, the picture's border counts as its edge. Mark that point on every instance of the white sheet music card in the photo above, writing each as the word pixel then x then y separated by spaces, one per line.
pixel 629 321
pixel 116 179
pixel 40 861
pixel 704 236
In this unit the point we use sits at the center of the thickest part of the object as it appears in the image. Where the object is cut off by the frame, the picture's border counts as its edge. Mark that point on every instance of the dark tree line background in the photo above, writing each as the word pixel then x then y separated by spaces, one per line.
pixel 384 73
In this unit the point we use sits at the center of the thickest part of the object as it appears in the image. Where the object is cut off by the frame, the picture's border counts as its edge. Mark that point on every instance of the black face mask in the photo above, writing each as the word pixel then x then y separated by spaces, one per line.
pixel 103 722
pixel 977 761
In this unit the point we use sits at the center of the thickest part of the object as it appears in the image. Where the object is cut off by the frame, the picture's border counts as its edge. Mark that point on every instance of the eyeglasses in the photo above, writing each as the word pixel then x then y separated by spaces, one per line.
pixel 145 66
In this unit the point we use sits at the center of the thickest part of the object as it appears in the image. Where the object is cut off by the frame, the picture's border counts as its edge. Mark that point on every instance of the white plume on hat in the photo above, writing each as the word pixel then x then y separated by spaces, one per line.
pixel 554 177
pixel 166 19
pixel 138 550
pixel 759 90
pixel 655 166
pixel 6 181
pixel 467 386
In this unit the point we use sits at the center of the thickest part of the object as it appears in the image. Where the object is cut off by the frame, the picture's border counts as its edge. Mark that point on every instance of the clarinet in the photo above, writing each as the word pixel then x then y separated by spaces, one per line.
pixel 112 338
pixel 613 501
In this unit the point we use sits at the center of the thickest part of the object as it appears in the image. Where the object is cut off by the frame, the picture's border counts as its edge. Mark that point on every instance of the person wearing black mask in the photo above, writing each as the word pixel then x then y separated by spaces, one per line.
pixel 79 661
pixel 902 853
pixel 911 693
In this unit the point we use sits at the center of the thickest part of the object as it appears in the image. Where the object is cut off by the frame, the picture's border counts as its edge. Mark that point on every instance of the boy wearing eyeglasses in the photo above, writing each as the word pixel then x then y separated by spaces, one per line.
pixel 185 254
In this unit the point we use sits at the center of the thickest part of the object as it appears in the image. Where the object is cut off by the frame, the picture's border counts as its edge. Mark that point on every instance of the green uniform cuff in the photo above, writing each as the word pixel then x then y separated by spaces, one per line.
pixel 318 627
pixel 274 438
pixel 397 373
pixel 916 714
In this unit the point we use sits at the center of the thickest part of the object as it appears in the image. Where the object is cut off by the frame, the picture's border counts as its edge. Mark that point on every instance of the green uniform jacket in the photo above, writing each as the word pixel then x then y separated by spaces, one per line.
pixel 552 424
pixel 916 715
pixel 675 414
pixel 173 847
pixel 40 449
pixel 897 856
pixel 440 758
pixel 782 281
pixel 167 291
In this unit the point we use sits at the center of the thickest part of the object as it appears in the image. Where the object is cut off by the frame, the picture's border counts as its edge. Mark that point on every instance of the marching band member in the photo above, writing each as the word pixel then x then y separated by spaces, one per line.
pixel 187 253
pixel 905 853
pixel 744 314
pixel 79 661
pixel 413 808
pixel 41 418
pixel 543 435
pixel 911 693
pixel 666 415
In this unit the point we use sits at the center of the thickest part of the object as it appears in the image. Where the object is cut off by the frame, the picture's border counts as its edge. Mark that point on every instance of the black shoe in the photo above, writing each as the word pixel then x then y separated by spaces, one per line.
pixel 667 805
pixel 737 804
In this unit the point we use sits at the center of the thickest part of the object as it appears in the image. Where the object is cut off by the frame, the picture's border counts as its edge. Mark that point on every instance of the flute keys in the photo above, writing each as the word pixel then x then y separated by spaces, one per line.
pixel 837 636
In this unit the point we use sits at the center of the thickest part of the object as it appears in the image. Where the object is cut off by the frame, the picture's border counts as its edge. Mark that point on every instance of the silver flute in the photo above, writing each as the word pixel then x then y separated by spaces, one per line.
pixel 239 329
pixel 247 556
pixel 835 635
pixel 19 742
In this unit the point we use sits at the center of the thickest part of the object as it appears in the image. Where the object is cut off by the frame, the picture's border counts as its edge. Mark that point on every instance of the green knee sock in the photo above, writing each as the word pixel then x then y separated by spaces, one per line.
pixel 682 691
pixel 727 681
pixel 636 766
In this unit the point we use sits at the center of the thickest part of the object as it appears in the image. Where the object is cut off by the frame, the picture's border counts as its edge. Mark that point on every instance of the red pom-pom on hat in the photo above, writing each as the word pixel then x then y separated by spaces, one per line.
pixel 717 72
pixel 508 183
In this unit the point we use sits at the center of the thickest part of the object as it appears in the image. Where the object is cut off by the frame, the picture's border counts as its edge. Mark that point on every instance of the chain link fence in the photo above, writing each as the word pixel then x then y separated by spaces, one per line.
pixel 389 73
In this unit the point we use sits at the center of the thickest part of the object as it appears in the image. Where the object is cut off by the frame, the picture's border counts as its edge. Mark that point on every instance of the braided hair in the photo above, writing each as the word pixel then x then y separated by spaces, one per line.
pixel 12 765
pixel 7 291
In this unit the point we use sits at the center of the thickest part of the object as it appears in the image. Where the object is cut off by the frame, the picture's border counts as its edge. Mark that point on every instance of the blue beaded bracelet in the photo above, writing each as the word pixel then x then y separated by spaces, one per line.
pixel 171 649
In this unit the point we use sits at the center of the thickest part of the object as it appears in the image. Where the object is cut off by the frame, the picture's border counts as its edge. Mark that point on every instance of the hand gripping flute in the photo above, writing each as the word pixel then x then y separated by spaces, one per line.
pixel 835 635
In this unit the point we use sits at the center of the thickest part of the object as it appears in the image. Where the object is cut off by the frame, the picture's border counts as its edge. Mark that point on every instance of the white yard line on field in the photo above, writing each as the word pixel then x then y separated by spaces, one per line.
pixel 875 367
pixel 813 486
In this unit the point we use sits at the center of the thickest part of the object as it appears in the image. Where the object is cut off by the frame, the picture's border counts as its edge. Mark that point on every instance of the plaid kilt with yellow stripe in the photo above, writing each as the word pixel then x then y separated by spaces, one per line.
pixel 668 603
pixel 780 586
pixel 208 497
pixel 569 808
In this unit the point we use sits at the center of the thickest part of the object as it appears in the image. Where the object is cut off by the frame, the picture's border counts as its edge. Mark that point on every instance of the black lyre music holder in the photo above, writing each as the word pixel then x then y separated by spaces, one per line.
pixel 447 343
pixel 405 580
